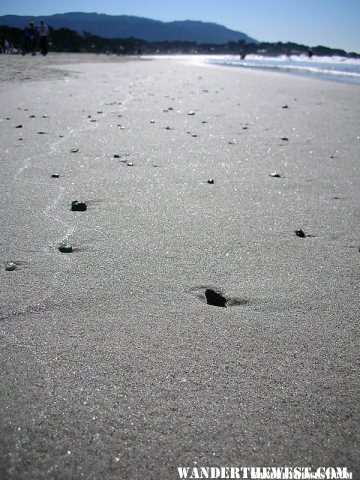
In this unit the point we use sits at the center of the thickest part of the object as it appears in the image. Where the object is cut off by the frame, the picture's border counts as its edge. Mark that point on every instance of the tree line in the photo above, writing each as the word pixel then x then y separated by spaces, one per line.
pixel 67 40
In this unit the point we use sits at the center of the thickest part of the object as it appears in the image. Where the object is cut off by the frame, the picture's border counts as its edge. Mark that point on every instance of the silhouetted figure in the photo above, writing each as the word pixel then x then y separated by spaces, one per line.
pixel 43 32
pixel 310 53
pixel 29 39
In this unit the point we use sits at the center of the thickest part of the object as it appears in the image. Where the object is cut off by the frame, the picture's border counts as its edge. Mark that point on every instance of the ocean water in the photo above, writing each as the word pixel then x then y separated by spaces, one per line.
pixel 338 69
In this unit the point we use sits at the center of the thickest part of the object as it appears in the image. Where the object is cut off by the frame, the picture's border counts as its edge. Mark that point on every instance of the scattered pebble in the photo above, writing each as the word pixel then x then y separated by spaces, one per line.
pixel 55 175
pixel 31 116
pixel 41 133
pixel 65 247
pixel 152 121
pixel 116 155
pixel 44 116
pixel 210 181
pixel 191 112
pixel 10 266
pixel 74 150
pixel 285 106
pixel 194 135
pixel 78 206
pixel 284 139
pixel 300 233
pixel 275 174
pixel 214 298
pixel 130 164
pixel 232 142
pixel 19 126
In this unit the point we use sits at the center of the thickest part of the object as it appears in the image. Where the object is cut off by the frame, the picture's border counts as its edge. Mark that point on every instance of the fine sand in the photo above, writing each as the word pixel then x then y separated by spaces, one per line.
pixel 113 366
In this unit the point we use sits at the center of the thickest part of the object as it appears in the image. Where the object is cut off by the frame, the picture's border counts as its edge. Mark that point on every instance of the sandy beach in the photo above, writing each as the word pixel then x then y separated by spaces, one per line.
pixel 113 366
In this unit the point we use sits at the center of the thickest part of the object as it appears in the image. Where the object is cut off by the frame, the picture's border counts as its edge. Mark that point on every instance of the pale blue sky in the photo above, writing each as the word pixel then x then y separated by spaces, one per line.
pixel 333 23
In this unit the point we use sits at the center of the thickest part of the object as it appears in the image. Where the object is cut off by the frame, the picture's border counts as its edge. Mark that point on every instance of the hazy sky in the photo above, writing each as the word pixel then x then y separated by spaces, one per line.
pixel 333 23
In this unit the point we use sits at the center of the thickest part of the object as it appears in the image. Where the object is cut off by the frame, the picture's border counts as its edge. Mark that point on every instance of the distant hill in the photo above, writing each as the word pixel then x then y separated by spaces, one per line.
pixel 124 26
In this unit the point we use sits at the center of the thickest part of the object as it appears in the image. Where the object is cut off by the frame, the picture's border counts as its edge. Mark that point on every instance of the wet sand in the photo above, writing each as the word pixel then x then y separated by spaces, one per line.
pixel 113 364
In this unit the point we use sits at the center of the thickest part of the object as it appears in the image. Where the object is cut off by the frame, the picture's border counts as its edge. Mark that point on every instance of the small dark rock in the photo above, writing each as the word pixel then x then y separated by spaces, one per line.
pixel 300 233
pixel 31 116
pixel 19 126
pixel 10 266
pixel 78 206
pixel 191 112
pixel 74 150
pixel 210 181
pixel 65 247
pixel 41 133
pixel 116 155
pixel 275 175
pixel 285 106
pixel 55 175
pixel 130 164
pixel 284 139
pixel 214 298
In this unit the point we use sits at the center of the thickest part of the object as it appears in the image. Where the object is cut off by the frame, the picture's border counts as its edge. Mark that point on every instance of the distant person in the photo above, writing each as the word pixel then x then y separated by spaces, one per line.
pixel 7 47
pixel 310 53
pixel 43 32
pixel 29 39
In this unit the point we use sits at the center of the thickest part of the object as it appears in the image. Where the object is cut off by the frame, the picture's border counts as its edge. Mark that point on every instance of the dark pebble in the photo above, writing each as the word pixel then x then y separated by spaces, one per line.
pixel 10 266
pixel 211 181
pixel 19 126
pixel 65 247
pixel 116 155
pixel 41 133
pixel 284 139
pixel 275 175
pixel 55 175
pixel 214 298
pixel 285 106
pixel 300 233
pixel 78 206
pixel 74 150
pixel 31 116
